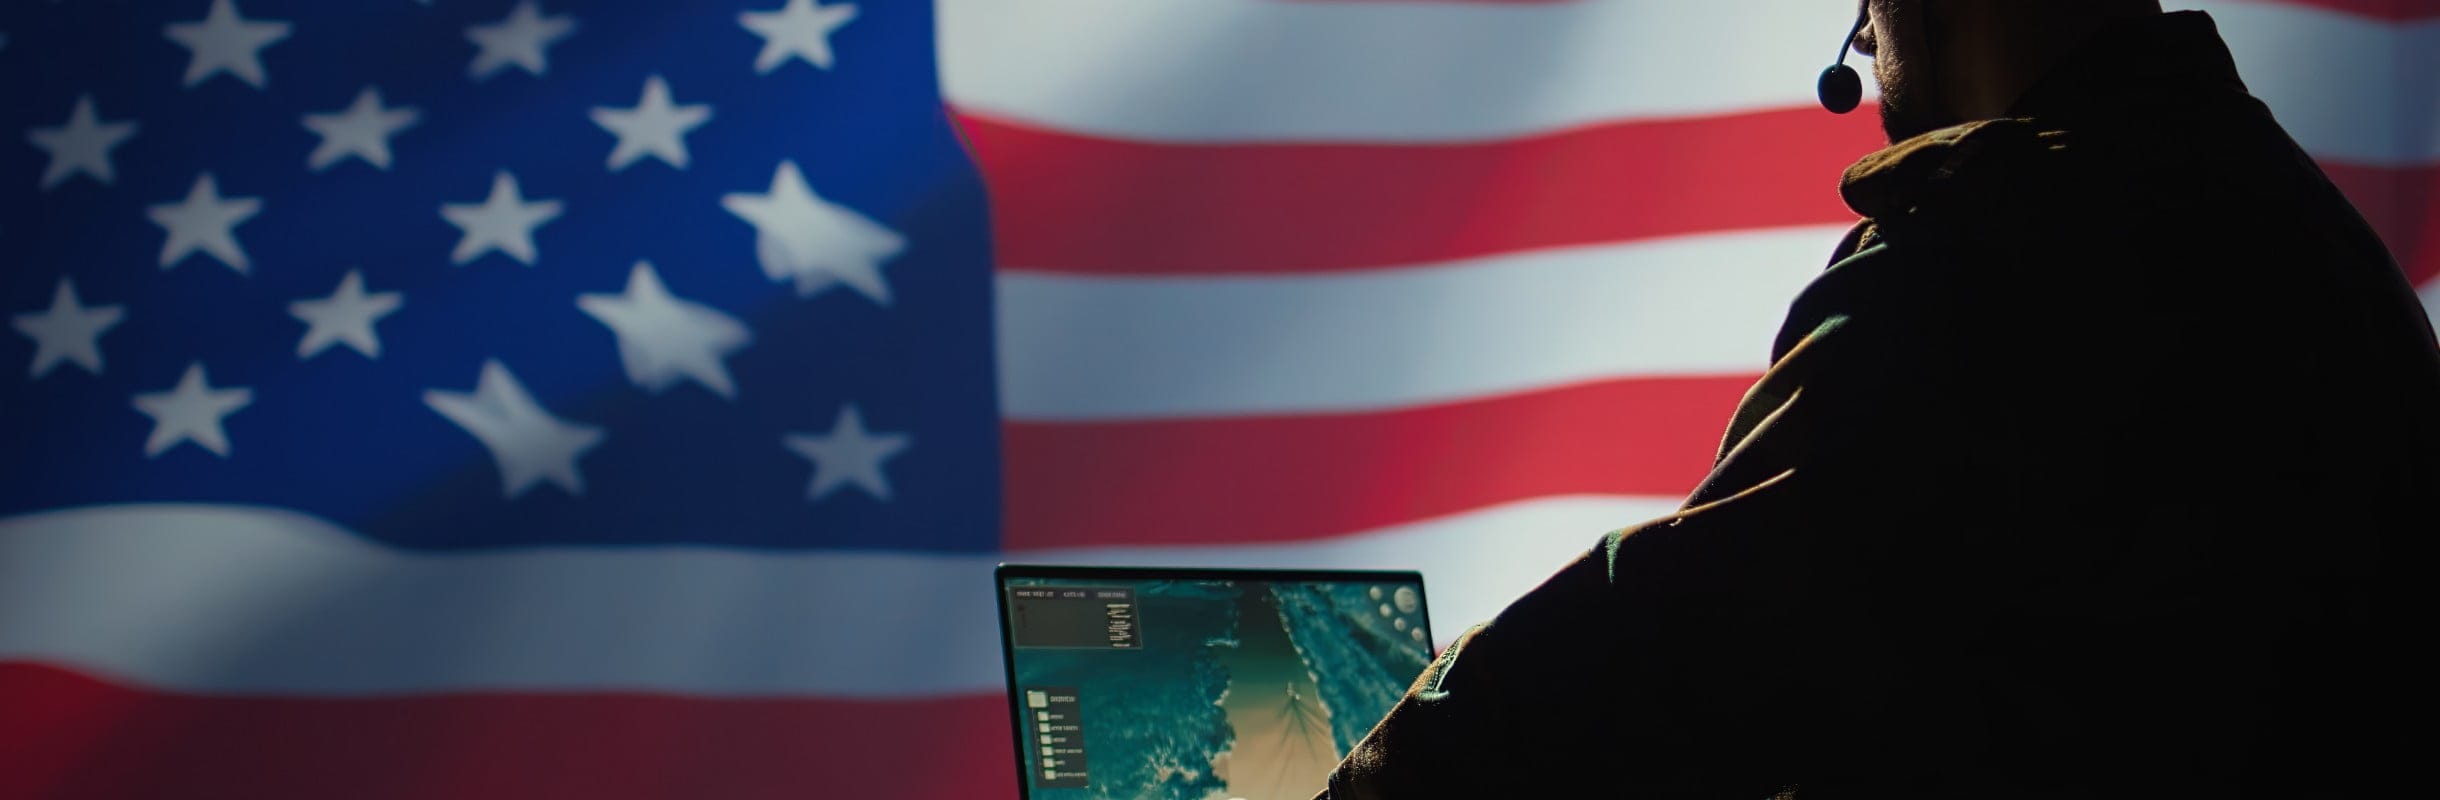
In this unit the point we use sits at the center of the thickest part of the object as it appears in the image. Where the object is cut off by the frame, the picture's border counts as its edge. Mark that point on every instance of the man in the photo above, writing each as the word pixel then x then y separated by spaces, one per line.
pixel 2098 464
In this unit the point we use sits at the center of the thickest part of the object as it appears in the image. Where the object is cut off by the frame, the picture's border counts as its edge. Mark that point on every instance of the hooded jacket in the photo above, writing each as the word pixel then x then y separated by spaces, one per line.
pixel 2100 462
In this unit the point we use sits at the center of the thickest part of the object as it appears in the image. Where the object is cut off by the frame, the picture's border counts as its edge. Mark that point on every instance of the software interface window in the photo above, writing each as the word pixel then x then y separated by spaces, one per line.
pixel 1204 688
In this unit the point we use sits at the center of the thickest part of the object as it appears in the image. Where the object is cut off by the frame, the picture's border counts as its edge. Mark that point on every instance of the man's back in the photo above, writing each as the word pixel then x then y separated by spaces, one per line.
pixel 2215 438
pixel 2093 467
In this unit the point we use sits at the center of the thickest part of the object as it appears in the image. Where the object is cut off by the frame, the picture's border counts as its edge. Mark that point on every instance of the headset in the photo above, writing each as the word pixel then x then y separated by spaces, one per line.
pixel 1840 89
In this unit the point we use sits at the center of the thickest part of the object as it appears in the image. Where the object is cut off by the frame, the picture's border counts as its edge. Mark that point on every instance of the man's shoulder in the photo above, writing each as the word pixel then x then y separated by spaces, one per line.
pixel 2041 176
pixel 1963 165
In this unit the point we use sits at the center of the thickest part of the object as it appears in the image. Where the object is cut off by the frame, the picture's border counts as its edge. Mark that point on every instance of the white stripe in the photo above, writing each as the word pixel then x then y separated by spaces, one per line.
pixel 241 600
pixel 1263 70
pixel 1097 347
pixel 1473 564
pixel 238 600
pixel 2431 301
pixel 1237 70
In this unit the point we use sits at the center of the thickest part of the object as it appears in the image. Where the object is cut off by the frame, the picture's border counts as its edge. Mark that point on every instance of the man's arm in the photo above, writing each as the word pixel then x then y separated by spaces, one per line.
pixel 1724 649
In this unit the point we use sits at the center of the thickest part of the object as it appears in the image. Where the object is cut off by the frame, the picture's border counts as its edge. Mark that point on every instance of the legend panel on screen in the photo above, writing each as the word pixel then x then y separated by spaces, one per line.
pixel 1099 617
pixel 1056 733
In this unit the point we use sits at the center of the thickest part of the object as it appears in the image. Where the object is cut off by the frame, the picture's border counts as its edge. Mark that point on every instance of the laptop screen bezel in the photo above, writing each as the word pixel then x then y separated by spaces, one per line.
pixel 1001 574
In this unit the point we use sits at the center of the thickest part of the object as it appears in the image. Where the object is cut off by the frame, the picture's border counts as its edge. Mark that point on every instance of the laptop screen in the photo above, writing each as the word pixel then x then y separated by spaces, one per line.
pixel 1139 683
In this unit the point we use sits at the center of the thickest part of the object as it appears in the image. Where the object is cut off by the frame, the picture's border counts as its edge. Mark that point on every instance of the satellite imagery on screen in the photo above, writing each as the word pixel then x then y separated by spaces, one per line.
pixel 1205 689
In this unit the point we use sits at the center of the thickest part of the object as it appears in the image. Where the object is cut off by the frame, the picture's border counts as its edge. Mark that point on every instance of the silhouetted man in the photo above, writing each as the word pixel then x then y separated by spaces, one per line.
pixel 2099 463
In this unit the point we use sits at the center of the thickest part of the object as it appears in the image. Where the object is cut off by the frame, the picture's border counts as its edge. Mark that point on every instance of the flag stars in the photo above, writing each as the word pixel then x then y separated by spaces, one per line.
pixel 80 145
pixel 663 339
pixel 205 222
pixel 504 222
pixel 530 445
pixel 518 40
pixel 362 130
pixel 191 412
pixel 801 237
pixel 847 455
pixel 653 127
pixel 345 317
pixel 801 29
pixel 224 42
pixel 68 331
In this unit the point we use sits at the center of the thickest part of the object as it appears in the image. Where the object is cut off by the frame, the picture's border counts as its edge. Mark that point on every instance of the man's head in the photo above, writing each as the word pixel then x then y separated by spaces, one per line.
pixel 1944 62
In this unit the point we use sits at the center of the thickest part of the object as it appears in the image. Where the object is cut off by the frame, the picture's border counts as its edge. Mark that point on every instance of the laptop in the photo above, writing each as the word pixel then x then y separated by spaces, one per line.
pixel 1201 683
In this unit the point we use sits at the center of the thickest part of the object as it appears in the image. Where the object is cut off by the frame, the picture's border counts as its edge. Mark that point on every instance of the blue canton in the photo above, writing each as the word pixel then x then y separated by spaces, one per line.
pixel 482 274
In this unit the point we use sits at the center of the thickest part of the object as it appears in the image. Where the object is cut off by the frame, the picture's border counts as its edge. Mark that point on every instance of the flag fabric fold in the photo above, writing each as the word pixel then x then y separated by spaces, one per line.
pixel 492 398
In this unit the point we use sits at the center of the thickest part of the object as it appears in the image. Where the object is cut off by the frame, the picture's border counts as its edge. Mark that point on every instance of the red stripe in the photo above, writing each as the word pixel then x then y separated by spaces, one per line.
pixel 65 735
pixel 1071 203
pixel 2392 10
pixel 2403 204
pixel 2387 10
pixel 1305 477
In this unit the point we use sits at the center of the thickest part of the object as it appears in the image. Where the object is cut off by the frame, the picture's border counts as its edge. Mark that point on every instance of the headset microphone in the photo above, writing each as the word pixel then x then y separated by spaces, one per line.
pixel 1840 89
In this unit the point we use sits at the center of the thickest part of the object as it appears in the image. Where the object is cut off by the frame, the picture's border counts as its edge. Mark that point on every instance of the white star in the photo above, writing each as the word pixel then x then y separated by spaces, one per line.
pixel 517 39
pixel 800 236
pixel 67 331
pixel 847 454
pixel 662 339
pixel 504 222
pixel 799 30
pixel 81 144
pixel 191 413
pixel 224 42
pixel 205 221
pixel 362 130
pixel 530 445
pixel 653 127
pixel 345 317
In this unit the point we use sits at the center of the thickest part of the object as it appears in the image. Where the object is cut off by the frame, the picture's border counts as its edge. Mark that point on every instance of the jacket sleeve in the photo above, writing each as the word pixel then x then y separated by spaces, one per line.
pixel 1719 650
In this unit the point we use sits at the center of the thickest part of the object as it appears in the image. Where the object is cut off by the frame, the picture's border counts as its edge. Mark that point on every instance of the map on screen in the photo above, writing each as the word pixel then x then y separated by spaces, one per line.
pixel 1203 689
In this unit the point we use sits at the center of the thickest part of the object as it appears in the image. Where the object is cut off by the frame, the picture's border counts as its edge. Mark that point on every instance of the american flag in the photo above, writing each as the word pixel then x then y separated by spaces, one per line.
pixel 538 398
